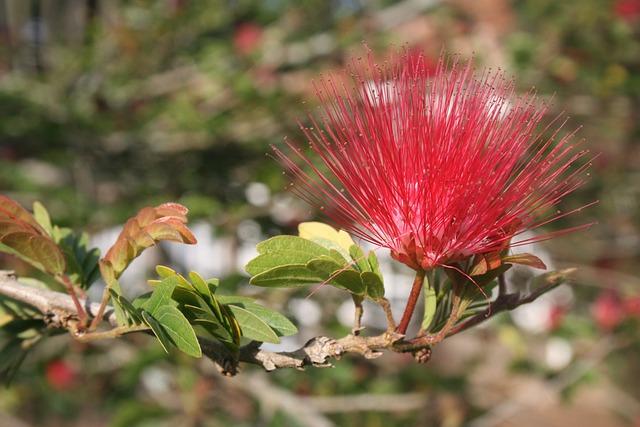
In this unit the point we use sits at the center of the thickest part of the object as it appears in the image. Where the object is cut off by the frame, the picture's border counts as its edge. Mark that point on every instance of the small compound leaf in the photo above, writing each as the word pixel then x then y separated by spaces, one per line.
pixel 525 259
pixel 286 276
pixel 374 286
pixel 252 326
pixel 286 244
pixel 267 261
pixel 178 329
pixel 201 286
pixel 235 299
pixel 340 254
pixel 163 271
pixel 41 215
pixel 375 265
pixel 360 259
pixel 131 312
pixel 158 331
pixel 333 273
pixel 278 322
pixel 161 296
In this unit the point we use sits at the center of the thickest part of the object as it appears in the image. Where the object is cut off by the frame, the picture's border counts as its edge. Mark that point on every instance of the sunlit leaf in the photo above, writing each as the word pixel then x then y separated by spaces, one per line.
pixel 278 322
pixel 323 232
pixel 41 215
pixel 252 326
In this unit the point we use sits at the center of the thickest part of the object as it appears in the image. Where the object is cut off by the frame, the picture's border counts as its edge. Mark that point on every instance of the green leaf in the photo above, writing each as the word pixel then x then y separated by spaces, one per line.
pixel 289 244
pixel 374 286
pixel 179 330
pixel 163 271
pixel 340 254
pixel 278 322
pixel 201 286
pixel 132 312
pixel 42 217
pixel 286 276
pixel 267 261
pixel 161 295
pixel 158 331
pixel 375 265
pixel 320 232
pixel 360 259
pixel 82 261
pixel 252 326
pixel 430 304
pixel 337 275
pixel 234 299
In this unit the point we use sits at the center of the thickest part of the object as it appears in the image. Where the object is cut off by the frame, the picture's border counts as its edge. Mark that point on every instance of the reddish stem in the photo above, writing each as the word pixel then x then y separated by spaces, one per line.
pixel 411 302
pixel 82 314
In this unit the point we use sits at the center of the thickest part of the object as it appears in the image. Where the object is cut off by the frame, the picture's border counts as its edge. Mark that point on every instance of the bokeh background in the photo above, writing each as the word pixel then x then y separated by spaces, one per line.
pixel 108 106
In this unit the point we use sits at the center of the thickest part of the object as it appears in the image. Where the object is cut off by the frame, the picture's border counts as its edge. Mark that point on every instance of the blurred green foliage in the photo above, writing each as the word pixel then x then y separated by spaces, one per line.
pixel 114 105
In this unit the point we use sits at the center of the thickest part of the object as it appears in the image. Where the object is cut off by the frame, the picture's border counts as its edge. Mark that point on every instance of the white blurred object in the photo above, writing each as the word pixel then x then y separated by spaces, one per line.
pixel 307 312
pixel 534 317
pixel 258 194
pixel 558 353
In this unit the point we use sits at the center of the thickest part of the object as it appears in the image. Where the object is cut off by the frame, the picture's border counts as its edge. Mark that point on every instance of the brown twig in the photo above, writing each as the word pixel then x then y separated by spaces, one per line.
pixel 60 311
pixel 82 314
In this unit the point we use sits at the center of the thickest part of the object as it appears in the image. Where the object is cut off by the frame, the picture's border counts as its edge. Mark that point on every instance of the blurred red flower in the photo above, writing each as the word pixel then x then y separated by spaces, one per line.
pixel 247 37
pixel 632 306
pixel 608 310
pixel 629 10
pixel 60 375
pixel 556 317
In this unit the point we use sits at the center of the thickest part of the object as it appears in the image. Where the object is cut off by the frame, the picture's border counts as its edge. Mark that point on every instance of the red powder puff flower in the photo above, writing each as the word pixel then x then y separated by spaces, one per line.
pixel 437 165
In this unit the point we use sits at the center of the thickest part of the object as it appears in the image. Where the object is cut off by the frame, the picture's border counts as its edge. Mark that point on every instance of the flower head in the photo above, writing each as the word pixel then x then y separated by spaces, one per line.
pixel 436 165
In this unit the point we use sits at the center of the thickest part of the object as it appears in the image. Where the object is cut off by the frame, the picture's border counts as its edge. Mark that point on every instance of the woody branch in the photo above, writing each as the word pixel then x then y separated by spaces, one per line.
pixel 59 311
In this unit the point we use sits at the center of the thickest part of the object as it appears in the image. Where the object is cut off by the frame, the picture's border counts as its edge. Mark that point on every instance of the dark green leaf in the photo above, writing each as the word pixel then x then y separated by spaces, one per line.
pixel 374 286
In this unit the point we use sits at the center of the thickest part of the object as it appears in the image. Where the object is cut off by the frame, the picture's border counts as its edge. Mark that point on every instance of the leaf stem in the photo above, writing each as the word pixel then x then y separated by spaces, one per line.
pixel 103 305
pixel 411 302
pixel 386 307
pixel 111 333
pixel 82 314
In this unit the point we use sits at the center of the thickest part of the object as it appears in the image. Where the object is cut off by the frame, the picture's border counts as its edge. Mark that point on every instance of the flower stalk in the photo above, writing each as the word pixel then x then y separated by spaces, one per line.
pixel 416 288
